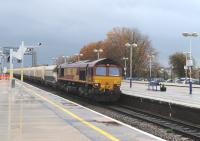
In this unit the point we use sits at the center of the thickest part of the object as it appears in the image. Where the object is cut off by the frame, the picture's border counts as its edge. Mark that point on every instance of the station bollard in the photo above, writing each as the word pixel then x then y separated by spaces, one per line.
pixel 12 83
pixel 190 86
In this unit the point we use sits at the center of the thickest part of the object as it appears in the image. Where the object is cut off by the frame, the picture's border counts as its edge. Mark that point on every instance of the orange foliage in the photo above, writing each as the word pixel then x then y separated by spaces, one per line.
pixel 114 47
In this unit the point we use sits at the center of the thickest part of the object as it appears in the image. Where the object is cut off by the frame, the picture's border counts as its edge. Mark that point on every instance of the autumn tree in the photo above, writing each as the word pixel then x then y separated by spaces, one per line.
pixel 114 48
pixel 177 60
pixel 88 50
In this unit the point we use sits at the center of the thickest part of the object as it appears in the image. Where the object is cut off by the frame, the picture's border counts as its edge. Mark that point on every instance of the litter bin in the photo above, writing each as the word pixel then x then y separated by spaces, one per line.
pixel 13 83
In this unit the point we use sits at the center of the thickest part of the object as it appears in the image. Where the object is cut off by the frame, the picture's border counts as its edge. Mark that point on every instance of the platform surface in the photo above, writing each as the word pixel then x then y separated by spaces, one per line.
pixel 177 95
pixel 31 114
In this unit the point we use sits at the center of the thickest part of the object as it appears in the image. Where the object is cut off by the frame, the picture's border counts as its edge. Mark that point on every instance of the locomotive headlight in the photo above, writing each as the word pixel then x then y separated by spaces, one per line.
pixel 117 85
pixel 97 84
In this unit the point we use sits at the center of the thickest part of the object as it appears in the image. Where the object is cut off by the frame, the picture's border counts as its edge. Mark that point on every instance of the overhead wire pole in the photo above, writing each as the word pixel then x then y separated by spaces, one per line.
pixel 20 55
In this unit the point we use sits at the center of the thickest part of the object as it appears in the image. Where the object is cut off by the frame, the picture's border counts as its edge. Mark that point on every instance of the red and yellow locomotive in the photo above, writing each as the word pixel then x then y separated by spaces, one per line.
pixel 99 79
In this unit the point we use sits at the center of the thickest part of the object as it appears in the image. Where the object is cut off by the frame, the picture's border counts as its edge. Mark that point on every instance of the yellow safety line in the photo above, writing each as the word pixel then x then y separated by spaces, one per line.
pixel 108 135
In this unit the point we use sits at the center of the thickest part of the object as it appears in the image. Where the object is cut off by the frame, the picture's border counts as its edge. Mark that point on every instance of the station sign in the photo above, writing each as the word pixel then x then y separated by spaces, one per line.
pixel 185 67
pixel 189 63
pixel 5 70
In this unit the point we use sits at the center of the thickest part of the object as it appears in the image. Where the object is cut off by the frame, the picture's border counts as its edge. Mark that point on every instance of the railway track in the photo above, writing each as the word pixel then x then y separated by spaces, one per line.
pixel 185 129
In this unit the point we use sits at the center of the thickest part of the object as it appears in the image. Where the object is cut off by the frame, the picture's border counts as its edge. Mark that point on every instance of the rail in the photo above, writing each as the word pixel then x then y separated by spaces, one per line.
pixel 187 129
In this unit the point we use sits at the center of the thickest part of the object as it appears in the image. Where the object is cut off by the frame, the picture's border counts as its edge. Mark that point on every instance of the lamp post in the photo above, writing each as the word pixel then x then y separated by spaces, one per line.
pixel 1 61
pixel 163 73
pixel 65 58
pixel 134 45
pixel 98 51
pixel 150 66
pixel 189 61
pixel 198 74
pixel 78 56
pixel 186 66
pixel 125 68
pixel 171 73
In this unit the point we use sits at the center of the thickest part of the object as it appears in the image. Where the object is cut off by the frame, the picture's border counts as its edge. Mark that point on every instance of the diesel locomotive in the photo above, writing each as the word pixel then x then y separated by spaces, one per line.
pixel 98 80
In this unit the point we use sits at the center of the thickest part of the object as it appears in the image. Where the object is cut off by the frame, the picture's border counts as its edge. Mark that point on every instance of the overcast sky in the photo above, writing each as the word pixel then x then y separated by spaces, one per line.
pixel 64 26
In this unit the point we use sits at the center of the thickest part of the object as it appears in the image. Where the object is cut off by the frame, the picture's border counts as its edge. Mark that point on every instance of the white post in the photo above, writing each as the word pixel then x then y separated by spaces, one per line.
pixel 190 59
pixel 22 69
pixel 98 54
pixel 190 67
pixel 22 64
pixel 190 48
pixel 1 68
pixel 125 68
pixel 78 58
pixel 131 57
pixel 150 68
pixel 131 65
pixel 11 64
pixel 65 60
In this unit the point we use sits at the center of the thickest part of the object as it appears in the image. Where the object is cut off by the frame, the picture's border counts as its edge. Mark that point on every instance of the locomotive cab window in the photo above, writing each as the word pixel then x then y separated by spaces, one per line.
pixel 114 71
pixel 101 71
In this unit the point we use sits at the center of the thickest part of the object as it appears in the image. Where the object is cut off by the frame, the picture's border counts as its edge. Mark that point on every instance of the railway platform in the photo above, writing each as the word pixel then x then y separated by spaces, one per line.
pixel 175 95
pixel 31 114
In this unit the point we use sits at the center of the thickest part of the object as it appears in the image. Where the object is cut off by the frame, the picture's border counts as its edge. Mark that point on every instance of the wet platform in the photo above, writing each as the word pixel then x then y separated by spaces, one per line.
pixel 31 114
pixel 174 94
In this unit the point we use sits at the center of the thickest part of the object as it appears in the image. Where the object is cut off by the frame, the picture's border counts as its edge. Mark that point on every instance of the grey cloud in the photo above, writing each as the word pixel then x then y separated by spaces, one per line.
pixel 65 26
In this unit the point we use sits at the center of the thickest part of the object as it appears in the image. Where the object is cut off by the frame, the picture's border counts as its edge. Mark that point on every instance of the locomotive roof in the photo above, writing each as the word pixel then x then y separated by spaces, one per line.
pixel 82 64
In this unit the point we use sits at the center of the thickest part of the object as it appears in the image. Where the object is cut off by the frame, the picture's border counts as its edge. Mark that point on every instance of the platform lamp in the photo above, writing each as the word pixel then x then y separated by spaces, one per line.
pixel 190 61
pixel 134 45
pixel 186 66
pixel 150 56
pixel 65 58
pixel 79 55
pixel 98 51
